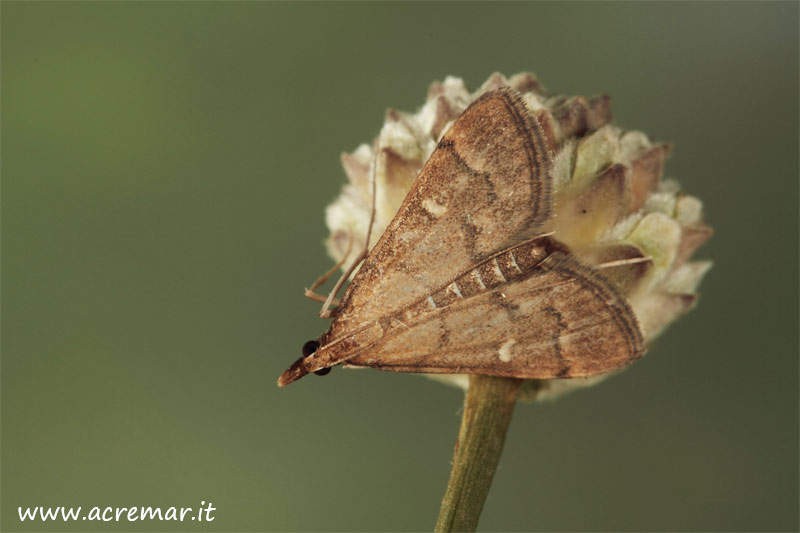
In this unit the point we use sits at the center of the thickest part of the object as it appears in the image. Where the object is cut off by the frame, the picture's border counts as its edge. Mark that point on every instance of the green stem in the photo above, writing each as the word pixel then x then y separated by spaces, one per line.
pixel 488 407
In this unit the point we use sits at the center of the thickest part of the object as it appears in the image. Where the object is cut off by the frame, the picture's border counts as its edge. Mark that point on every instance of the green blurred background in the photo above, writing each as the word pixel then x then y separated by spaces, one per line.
pixel 164 174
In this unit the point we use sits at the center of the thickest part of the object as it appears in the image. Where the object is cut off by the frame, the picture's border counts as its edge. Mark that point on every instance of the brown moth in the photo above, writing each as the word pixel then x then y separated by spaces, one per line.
pixel 465 280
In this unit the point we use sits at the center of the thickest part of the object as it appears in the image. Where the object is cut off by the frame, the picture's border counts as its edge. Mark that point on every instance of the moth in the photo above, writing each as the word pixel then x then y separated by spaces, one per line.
pixel 466 279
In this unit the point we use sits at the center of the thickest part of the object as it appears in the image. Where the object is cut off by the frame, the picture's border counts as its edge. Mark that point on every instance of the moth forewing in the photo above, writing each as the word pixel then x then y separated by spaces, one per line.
pixel 486 183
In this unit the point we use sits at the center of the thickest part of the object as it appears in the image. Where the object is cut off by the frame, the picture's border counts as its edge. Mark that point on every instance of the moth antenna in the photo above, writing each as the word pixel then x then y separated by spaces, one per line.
pixel 623 262
pixel 374 180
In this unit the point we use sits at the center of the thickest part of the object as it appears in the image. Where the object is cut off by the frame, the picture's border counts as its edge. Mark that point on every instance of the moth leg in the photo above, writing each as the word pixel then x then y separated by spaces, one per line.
pixel 331 300
pixel 314 296
pixel 325 312
pixel 309 292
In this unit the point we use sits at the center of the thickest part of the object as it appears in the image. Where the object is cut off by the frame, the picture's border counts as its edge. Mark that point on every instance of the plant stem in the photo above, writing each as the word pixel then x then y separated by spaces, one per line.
pixel 488 407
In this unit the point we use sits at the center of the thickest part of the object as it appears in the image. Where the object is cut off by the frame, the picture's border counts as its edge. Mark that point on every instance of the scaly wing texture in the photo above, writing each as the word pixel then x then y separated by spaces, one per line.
pixel 486 183
pixel 558 320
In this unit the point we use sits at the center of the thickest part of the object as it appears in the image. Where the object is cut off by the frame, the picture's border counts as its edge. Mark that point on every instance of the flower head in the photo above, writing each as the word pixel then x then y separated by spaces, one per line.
pixel 612 207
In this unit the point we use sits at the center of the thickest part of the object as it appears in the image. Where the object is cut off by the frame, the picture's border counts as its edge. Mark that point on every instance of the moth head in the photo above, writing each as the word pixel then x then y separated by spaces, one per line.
pixel 305 364
pixel 309 348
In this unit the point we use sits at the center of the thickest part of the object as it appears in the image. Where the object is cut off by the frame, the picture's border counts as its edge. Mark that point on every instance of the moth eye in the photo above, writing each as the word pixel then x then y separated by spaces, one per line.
pixel 309 348
pixel 322 371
